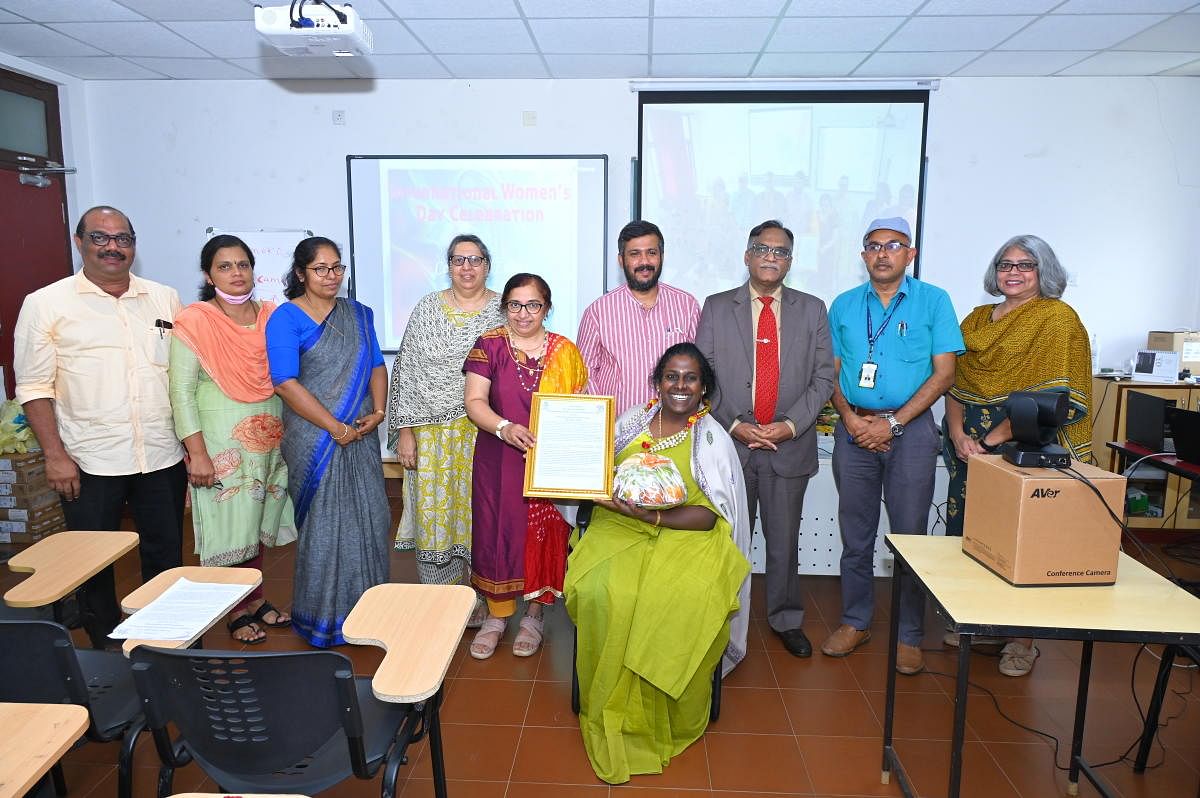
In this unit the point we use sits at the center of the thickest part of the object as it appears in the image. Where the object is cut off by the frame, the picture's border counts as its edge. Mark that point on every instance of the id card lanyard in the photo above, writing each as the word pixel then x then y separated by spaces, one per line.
pixel 870 370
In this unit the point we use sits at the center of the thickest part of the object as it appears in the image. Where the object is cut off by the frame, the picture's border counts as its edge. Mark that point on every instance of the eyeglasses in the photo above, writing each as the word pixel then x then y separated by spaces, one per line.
pixel 1019 265
pixel 323 271
pixel 122 240
pixel 874 247
pixel 514 307
pixel 241 266
pixel 462 260
pixel 762 251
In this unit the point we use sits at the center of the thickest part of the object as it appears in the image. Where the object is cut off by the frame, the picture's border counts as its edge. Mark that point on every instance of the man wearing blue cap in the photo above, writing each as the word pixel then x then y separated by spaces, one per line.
pixel 895 340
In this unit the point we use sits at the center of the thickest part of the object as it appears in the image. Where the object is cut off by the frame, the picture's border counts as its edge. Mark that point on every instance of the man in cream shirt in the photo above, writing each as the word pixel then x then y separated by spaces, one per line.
pixel 90 360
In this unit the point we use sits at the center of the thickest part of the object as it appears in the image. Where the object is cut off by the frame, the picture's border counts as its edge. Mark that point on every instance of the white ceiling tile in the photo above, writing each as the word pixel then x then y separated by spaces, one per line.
pixel 397 66
pixel 1019 63
pixel 1126 63
pixel 391 38
pixel 7 17
pixel 852 8
pixel 807 65
pixel 459 9
pixel 194 68
pixel 721 65
pixel 69 10
pixel 1123 6
pixel 1189 69
pixel 1177 34
pixel 572 9
pixel 482 65
pixel 598 66
pixel 472 36
pixel 955 7
pixel 27 39
pixel 367 9
pixel 612 36
pixel 831 35
pixel 717 8
pixel 1092 32
pixel 294 68
pixel 954 33
pixel 99 68
pixel 930 65
pixel 208 9
pixel 225 39
pixel 710 35
pixel 144 39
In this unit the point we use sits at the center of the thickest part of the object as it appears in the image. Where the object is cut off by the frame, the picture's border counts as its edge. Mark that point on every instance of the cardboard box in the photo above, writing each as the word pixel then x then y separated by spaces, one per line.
pixel 25 491
pixel 1040 526
pixel 46 497
pixel 36 514
pixel 1187 344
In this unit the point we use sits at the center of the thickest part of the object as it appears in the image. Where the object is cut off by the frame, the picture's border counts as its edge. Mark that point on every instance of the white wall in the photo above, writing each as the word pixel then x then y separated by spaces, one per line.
pixel 1105 169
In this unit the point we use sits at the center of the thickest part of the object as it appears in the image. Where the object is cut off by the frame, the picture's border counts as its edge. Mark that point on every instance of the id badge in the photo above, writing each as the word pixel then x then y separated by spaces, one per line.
pixel 866 375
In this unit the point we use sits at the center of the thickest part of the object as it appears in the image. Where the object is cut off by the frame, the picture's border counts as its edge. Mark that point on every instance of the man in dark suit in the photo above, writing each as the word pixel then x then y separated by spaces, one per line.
pixel 770 348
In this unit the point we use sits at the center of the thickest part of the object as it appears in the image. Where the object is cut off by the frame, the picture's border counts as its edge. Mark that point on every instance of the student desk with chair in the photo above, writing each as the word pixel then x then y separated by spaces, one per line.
pixel 249 578
pixel 32 738
pixel 61 562
pixel 1142 607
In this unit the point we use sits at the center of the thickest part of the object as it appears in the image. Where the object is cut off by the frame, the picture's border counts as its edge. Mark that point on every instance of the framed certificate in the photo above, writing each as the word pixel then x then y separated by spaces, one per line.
pixel 573 456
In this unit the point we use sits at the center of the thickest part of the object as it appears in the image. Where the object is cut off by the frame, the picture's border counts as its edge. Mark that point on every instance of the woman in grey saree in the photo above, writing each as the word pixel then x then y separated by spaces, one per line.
pixel 326 365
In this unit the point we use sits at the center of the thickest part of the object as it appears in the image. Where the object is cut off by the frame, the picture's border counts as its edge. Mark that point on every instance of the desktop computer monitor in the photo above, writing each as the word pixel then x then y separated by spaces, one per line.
pixel 1146 420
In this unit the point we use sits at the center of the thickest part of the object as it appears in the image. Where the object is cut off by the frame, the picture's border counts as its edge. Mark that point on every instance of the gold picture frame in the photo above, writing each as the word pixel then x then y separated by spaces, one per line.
pixel 573 456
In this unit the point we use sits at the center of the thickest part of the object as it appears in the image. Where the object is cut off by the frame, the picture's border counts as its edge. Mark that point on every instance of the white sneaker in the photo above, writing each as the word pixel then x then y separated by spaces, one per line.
pixel 1017 660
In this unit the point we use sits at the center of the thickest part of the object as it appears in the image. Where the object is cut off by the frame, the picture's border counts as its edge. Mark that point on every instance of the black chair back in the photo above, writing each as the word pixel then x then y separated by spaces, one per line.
pixel 249 713
pixel 38 664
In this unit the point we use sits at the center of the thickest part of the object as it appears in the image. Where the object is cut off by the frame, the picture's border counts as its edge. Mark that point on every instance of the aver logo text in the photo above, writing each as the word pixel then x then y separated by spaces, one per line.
pixel 1044 493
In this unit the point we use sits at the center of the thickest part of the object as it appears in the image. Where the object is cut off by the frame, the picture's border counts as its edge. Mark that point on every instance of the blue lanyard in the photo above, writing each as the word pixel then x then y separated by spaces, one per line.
pixel 873 336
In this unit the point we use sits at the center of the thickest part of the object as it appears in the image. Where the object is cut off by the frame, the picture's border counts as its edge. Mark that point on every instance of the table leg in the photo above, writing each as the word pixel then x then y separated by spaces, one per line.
pixel 1152 711
pixel 433 718
pixel 1081 698
pixel 960 716
pixel 889 706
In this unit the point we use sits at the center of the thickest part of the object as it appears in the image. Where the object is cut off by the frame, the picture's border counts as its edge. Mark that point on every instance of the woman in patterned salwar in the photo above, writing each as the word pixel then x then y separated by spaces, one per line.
pixel 1031 341
pixel 327 366
pixel 518 545
pixel 428 426
pixel 228 417
pixel 660 597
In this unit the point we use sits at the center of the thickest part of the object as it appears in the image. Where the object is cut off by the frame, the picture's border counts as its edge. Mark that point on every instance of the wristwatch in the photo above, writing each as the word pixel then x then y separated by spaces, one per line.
pixel 897 427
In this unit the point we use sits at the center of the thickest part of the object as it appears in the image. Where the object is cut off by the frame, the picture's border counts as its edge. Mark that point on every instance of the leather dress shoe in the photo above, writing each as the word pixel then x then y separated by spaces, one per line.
pixel 844 640
pixel 909 659
pixel 796 642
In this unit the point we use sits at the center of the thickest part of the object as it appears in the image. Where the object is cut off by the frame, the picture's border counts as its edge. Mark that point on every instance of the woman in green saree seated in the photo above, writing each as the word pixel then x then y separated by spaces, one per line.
pixel 660 596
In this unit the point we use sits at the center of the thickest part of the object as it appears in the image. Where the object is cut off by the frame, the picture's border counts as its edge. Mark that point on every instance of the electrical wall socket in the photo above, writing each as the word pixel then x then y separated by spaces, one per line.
pixel 339 116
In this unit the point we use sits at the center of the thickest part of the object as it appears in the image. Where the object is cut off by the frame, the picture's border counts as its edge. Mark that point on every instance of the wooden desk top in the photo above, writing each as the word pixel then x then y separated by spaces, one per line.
pixel 62 562
pixel 419 627
pixel 32 738
pixel 1167 462
pixel 249 577
pixel 1140 603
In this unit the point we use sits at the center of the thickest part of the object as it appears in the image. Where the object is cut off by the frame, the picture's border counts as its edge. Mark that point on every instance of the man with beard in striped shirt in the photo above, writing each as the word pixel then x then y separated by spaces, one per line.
pixel 623 333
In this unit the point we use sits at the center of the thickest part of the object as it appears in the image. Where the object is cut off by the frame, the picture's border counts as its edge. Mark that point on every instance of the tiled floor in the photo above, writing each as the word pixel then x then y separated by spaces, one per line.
pixel 787 726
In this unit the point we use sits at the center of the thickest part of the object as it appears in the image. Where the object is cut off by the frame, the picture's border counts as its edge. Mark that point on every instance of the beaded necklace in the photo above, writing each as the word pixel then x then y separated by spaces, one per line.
pixel 672 440
pixel 534 371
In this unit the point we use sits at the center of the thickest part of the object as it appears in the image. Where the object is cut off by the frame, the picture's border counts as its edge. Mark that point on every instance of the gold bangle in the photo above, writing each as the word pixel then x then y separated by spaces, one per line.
pixel 379 413
pixel 345 432
pixel 658 518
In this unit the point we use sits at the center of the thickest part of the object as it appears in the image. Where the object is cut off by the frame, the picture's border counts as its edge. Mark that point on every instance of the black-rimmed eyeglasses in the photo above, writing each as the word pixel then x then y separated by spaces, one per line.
pixel 1019 265
pixel 323 271
pixel 122 240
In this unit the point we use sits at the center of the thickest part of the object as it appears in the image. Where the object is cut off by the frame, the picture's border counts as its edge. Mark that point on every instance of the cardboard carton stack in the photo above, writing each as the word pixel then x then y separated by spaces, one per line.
pixel 29 508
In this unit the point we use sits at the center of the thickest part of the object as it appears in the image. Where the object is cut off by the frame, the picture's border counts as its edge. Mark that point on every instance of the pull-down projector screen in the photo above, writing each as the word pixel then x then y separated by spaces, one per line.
pixel 715 164
pixel 540 214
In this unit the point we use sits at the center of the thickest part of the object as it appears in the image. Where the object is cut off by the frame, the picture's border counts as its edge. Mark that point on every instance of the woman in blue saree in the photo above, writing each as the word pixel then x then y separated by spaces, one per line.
pixel 326 365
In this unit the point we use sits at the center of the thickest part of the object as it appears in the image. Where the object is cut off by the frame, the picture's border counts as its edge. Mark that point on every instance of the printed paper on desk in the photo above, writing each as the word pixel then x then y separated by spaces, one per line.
pixel 182 612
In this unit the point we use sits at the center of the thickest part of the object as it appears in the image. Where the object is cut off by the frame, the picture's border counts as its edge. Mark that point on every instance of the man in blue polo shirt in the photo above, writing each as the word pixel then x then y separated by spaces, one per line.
pixel 895 340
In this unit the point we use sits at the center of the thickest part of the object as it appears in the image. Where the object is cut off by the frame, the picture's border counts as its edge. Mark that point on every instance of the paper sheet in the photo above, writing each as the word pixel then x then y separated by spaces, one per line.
pixel 181 612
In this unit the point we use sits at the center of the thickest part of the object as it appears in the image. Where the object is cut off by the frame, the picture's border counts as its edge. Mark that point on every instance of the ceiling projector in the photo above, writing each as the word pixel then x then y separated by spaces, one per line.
pixel 314 30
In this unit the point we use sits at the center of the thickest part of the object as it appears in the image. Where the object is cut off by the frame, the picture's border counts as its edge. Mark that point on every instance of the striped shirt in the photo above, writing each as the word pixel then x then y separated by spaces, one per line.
pixel 621 340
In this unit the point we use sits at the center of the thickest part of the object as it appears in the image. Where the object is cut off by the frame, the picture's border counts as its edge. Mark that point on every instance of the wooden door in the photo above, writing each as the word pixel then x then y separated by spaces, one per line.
pixel 35 219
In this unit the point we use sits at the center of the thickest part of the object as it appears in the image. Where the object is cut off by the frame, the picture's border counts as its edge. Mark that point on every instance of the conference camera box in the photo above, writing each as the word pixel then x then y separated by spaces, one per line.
pixel 1039 526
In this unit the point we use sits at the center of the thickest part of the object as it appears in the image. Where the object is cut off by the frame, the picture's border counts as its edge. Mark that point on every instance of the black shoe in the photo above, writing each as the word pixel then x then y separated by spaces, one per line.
pixel 795 641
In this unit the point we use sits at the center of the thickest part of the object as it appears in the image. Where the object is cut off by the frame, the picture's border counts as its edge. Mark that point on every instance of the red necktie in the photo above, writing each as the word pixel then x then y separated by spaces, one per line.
pixel 766 365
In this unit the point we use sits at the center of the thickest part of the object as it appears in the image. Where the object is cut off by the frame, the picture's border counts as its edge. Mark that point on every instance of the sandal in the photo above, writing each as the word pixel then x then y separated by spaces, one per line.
pixel 266 607
pixel 241 622
pixel 479 614
pixel 529 638
pixel 482 646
